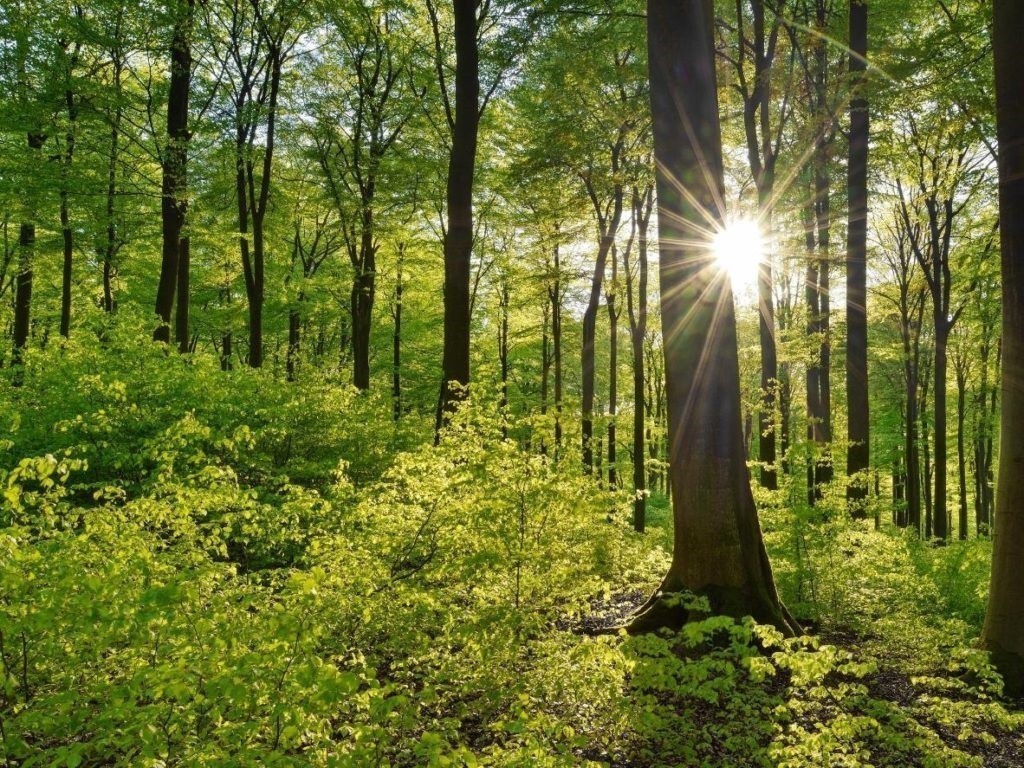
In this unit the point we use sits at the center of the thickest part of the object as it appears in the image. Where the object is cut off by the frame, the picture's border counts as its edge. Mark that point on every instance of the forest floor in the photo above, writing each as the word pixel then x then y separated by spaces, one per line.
pixel 208 570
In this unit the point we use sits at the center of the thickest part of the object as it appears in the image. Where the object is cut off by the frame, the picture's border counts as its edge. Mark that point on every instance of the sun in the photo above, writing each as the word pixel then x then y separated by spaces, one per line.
pixel 738 249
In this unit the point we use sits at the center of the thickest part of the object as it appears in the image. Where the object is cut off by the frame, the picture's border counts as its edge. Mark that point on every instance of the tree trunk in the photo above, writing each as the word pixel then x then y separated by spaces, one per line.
pixel 396 340
pixel 458 237
pixel 555 296
pixel 67 233
pixel 174 200
pixel 858 452
pixel 1003 633
pixel 718 550
pixel 181 333
pixel 961 455
pixel 613 369
pixel 940 514
pixel 363 294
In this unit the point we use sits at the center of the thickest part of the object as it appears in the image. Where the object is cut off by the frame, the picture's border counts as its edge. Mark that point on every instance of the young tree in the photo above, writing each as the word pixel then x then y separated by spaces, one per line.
pixel 718 550
pixel 1003 633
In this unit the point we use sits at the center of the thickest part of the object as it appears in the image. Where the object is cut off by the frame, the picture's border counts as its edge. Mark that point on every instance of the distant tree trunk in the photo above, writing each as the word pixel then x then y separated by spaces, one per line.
pixel 608 226
pixel 643 202
pixel 858 452
pixel 961 455
pixel 718 550
pixel 815 416
pixel 181 332
pixel 112 245
pixel 940 511
pixel 294 340
pixel 67 233
pixel 613 368
pixel 23 290
pixel 555 297
pixel 1003 634
pixel 396 339
pixel 458 237
pixel 363 295
pixel 503 353
pixel 174 200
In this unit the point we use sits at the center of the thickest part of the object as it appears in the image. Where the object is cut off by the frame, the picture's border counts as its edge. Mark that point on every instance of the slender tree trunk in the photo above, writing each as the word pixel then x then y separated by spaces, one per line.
pixel 608 227
pixel 458 238
pixel 613 369
pixel 940 510
pixel 718 550
pixel 503 354
pixel 67 233
pixel 961 455
pixel 555 296
pixel 396 340
pixel 294 338
pixel 174 200
pixel 858 452
pixel 23 290
pixel 182 298
pixel 363 294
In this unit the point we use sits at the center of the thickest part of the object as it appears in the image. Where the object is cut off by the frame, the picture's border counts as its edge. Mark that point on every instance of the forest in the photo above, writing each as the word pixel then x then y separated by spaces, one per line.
pixel 506 383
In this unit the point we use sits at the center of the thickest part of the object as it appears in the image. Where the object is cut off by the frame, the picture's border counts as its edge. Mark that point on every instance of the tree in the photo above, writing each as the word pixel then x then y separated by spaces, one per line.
pixel 357 128
pixel 464 121
pixel 174 200
pixel 718 550
pixel 858 451
pixel 1003 634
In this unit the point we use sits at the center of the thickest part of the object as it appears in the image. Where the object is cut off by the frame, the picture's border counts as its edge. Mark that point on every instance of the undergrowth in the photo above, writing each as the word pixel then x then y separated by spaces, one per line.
pixel 208 569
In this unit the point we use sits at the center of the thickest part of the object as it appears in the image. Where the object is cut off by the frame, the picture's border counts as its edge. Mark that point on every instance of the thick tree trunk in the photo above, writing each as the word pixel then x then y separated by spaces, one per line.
pixel 174 191
pixel 1003 633
pixel 858 452
pixel 718 550
pixel 458 238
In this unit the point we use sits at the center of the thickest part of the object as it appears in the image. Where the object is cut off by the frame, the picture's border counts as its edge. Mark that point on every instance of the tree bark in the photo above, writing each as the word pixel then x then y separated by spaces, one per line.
pixel 1003 634
pixel 181 333
pixel 174 200
pixel 458 237
pixel 858 451
pixel 718 550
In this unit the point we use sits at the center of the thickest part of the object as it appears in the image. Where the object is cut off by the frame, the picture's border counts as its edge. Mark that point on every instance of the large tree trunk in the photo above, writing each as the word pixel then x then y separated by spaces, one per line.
pixel 857 454
pixel 1003 634
pixel 174 199
pixel 458 237
pixel 718 550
